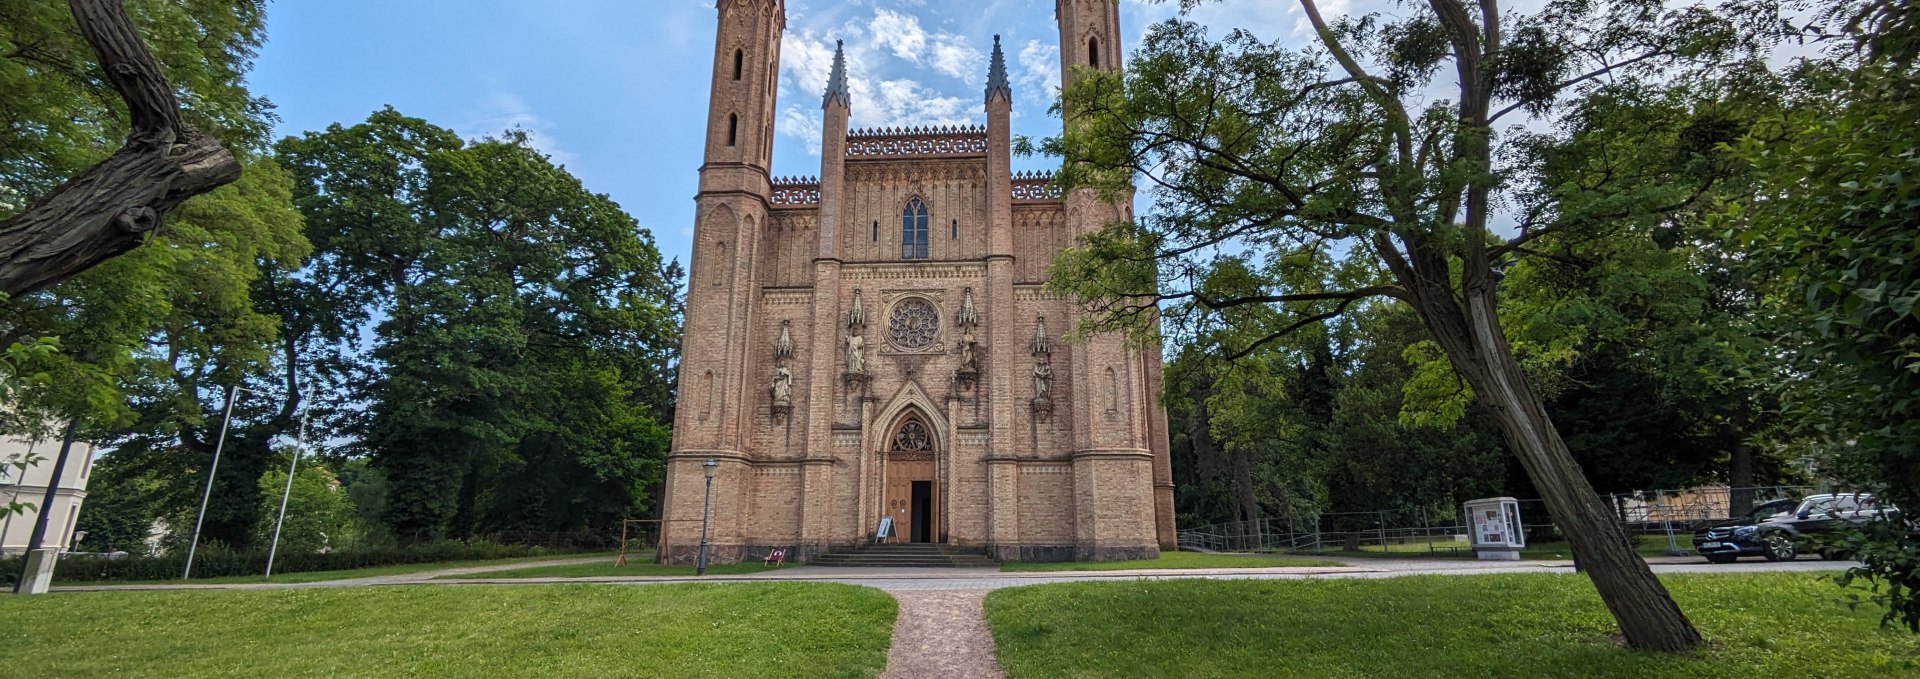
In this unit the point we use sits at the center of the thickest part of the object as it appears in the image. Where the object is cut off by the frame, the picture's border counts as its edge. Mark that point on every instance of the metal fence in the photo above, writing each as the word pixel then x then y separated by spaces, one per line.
pixel 1671 515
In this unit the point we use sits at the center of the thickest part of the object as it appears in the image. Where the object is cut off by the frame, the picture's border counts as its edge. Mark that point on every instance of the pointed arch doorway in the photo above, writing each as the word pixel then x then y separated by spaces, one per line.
pixel 913 487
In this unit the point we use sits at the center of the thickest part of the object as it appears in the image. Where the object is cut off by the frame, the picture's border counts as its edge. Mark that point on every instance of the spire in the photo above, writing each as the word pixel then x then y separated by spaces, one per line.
pixel 837 82
pixel 997 74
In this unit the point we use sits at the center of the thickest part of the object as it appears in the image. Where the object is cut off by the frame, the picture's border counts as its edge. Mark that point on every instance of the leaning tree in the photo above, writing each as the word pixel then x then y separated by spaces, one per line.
pixel 113 206
pixel 1289 186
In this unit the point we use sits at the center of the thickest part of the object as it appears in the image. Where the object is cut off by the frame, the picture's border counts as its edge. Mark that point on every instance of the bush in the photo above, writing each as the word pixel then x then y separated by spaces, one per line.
pixel 216 561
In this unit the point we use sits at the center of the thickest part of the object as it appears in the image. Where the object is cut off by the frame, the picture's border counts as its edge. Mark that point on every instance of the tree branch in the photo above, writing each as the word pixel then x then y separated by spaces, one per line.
pixel 111 207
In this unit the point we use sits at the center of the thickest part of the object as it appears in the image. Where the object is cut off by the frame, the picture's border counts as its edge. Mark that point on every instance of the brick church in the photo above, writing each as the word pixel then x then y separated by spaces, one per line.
pixel 874 354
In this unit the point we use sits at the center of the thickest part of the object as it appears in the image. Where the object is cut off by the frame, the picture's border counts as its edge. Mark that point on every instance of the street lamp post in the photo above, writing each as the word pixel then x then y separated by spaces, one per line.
pixel 194 544
pixel 708 467
pixel 299 446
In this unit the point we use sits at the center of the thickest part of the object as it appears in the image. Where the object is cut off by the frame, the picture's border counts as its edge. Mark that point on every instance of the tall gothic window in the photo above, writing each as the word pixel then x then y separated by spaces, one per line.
pixel 913 230
pixel 733 128
pixel 739 63
pixel 1093 52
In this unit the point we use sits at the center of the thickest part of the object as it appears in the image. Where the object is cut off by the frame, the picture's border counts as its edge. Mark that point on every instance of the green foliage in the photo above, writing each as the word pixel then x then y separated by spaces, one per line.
pixel 319 513
pixel 1833 221
pixel 1428 626
pixel 145 336
pixel 524 328
pixel 215 560
pixel 64 117
pixel 771 630
pixel 1321 421
pixel 123 500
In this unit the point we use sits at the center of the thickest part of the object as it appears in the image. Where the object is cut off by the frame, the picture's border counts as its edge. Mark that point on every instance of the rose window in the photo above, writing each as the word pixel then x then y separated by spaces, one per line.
pixel 912 438
pixel 913 325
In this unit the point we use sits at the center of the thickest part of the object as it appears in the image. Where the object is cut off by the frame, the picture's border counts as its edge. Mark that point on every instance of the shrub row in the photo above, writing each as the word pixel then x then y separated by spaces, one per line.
pixel 213 561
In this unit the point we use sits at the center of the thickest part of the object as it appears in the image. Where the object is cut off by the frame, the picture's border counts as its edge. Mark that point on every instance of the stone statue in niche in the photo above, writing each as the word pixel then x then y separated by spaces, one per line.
pixel 969 360
pixel 1042 381
pixel 782 388
pixel 856 355
pixel 1042 344
pixel 967 317
pixel 857 315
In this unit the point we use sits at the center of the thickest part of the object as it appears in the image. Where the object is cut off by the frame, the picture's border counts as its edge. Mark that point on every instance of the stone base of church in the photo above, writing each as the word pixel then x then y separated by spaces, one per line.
pixel 1116 553
pixel 688 555
pixel 1058 553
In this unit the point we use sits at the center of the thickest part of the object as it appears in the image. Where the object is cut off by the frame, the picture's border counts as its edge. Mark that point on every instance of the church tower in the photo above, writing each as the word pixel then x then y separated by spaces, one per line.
pixel 731 209
pixel 1124 437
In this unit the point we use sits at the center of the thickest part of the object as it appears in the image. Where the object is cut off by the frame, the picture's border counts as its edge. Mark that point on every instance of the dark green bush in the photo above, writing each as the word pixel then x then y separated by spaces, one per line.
pixel 215 561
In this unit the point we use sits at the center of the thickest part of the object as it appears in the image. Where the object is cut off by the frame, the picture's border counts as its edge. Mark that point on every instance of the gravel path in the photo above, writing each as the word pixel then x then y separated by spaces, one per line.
pixel 942 633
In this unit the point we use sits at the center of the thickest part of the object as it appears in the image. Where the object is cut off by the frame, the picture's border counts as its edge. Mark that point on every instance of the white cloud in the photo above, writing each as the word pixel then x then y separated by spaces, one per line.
pixel 948 54
pixel 802 124
pixel 1038 77
pixel 884 94
pixel 503 111
pixel 900 34
pixel 959 60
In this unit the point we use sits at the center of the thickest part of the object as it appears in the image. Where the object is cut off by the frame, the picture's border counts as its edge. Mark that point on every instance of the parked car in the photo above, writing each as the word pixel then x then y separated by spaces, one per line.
pixel 1778 537
pixel 1715 541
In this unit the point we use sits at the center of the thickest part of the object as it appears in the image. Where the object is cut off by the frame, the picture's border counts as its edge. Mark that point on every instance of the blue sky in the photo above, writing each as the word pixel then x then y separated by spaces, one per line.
pixel 617 89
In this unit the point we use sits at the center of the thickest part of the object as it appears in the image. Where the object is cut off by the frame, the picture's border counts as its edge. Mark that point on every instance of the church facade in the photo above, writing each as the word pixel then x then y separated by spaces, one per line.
pixel 873 354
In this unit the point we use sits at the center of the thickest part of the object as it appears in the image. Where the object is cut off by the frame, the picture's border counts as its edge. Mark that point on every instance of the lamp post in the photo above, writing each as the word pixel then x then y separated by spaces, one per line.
pixel 299 447
pixel 194 544
pixel 708 468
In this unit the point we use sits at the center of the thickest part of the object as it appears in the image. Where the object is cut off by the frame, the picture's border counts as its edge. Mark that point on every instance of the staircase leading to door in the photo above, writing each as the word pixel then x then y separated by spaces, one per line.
pixel 906 555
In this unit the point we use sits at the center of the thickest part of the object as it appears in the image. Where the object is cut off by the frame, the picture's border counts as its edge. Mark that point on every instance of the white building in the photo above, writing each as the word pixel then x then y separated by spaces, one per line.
pixel 31 488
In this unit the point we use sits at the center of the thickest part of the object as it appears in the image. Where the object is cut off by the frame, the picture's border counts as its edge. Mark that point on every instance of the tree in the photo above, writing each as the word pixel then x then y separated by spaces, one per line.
pixel 152 338
pixel 1832 222
pixel 115 205
pixel 318 513
pixel 1258 156
pixel 524 328
pixel 142 334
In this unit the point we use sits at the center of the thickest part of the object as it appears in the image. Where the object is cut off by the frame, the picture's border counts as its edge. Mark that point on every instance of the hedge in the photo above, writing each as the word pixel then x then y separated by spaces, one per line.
pixel 214 562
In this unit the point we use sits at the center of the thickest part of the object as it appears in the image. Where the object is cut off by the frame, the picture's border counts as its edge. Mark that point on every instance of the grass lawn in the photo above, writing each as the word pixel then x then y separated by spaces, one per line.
pixel 319 576
pixel 606 569
pixel 1173 560
pixel 1646 545
pixel 741 630
pixel 1760 625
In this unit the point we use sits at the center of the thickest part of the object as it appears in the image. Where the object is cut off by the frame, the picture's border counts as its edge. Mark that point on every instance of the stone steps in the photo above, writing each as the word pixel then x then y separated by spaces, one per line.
pixel 905 555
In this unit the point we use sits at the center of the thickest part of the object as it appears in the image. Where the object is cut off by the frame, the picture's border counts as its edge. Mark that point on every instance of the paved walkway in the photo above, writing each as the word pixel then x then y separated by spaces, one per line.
pixel 942 634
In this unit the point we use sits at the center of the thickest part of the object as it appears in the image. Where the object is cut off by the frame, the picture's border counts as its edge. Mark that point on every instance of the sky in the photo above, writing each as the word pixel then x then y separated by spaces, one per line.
pixel 616 90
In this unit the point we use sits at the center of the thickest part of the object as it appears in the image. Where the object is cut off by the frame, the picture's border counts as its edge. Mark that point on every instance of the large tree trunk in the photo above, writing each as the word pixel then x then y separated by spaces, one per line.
pixel 1478 350
pixel 110 208
pixel 1740 467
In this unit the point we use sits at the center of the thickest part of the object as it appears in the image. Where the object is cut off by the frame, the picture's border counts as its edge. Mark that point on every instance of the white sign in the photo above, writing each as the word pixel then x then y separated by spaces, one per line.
pixel 886 528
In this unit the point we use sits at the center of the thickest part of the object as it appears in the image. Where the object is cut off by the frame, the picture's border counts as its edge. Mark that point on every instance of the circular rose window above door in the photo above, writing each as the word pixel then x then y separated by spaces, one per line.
pixel 913 324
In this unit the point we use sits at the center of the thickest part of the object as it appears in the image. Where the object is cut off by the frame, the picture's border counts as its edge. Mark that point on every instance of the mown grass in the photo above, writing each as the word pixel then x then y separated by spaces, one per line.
pixel 1645 545
pixel 1173 560
pixel 606 569
pixel 347 574
pixel 1759 625
pixel 741 630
